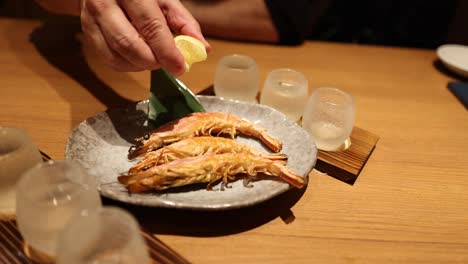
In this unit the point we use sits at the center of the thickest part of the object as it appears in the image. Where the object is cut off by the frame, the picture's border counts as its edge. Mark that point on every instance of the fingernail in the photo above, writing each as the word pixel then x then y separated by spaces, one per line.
pixel 177 69
pixel 207 46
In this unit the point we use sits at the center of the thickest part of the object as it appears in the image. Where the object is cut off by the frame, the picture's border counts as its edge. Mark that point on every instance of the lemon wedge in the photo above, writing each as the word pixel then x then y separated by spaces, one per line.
pixel 192 50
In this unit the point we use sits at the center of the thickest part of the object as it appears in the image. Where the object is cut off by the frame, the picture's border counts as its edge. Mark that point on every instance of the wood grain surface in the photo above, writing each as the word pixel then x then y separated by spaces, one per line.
pixel 347 162
pixel 409 204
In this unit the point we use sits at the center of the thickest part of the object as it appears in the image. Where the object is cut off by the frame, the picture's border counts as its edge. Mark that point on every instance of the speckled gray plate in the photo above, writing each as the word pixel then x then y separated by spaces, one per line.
pixel 100 143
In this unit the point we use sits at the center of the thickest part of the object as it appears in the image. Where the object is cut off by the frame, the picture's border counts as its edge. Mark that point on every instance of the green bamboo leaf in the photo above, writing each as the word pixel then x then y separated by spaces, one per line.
pixel 169 99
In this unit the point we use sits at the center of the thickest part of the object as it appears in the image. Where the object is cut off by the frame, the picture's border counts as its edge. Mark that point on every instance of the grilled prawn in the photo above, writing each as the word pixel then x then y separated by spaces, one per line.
pixel 208 169
pixel 202 124
pixel 197 146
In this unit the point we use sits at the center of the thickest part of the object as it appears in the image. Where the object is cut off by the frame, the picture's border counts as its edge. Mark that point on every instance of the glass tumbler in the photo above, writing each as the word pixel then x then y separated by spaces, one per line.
pixel 48 196
pixel 110 235
pixel 237 78
pixel 286 90
pixel 17 154
pixel 329 118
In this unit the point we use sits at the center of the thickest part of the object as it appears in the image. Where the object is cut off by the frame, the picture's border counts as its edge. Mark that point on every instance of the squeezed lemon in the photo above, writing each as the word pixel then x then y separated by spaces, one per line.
pixel 192 50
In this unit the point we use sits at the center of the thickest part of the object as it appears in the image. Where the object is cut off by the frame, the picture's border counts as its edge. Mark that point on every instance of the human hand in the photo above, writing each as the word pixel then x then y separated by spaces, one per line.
pixel 136 35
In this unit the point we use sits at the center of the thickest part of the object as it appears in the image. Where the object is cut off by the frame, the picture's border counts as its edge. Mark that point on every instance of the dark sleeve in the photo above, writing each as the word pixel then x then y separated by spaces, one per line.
pixel 295 19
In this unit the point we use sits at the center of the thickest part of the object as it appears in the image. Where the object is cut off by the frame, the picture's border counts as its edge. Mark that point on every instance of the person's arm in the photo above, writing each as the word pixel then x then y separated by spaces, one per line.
pixel 67 7
pixel 233 19
pixel 133 35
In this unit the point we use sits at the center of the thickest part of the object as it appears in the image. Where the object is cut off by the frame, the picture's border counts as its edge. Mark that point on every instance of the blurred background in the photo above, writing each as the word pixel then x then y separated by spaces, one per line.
pixel 21 8
pixel 411 23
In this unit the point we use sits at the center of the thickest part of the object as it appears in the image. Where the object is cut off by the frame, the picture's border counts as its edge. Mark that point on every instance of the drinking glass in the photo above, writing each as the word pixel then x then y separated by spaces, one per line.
pixel 48 196
pixel 17 154
pixel 237 78
pixel 329 117
pixel 110 235
pixel 286 90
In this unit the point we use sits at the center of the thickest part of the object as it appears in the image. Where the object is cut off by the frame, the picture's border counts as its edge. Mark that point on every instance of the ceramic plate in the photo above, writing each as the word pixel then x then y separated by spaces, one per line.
pixel 100 144
pixel 455 58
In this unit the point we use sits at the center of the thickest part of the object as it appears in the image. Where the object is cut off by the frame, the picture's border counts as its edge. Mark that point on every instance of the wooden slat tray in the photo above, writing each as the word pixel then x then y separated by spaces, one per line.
pixel 13 248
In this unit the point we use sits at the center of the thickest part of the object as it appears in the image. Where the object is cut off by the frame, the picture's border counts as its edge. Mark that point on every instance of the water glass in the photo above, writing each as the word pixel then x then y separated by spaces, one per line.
pixel 110 235
pixel 286 90
pixel 237 78
pixel 329 118
pixel 48 196
pixel 17 154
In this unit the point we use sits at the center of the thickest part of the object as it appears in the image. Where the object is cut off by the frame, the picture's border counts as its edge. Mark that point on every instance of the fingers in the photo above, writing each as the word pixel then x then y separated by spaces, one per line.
pixel 119 34
pixel 135 35
pixel 181 21
pixel 94 36
pixel 149 20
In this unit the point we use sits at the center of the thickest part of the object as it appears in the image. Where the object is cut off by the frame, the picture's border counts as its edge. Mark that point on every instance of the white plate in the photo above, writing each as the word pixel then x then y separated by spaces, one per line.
pixel 455 58
pixel 100 143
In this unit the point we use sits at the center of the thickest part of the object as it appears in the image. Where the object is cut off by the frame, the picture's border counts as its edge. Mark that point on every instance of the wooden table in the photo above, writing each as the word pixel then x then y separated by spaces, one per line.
pixel 408 205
